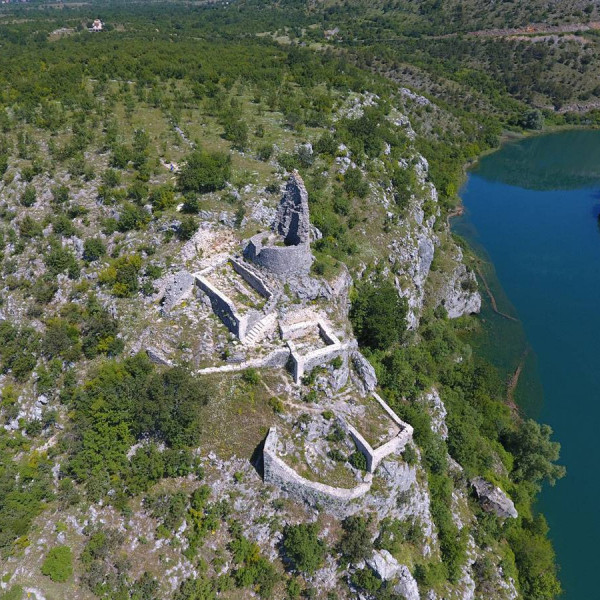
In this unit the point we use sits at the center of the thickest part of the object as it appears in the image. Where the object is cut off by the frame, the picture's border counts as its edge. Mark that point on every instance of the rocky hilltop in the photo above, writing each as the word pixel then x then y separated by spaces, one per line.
pixel 234 330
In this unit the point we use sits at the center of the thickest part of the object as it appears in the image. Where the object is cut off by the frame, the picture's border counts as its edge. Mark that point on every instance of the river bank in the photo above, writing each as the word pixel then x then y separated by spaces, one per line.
pixel 531 216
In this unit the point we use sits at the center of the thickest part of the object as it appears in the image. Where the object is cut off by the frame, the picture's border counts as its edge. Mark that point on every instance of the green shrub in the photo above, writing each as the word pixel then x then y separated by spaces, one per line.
pixel 264 152
pixel 303 547
pixel 58 564
pixel 253 569
pixel 162 197
pixel 355 184
pixel 205 172
pixel 30 227
pixel 187 228
pixel 355 544
pixel 358 461
pixel 122 275
pixel 60 259
pixel 251 376
pixel 410 455
pixel 16 591
pixel 378 314
pixel 236 131
pixel 111 178
pixel 138 192
pixel 191 206
pixel 29 196
pixel 60 194
pixel 336 434
pixel 3 164
pixel 277 405
pixel 93 249
pixel 61 340
pixel 132 217
pixel 367 580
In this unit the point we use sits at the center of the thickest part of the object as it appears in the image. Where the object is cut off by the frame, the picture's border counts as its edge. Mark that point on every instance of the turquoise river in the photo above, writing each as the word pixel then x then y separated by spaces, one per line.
pixel 532 213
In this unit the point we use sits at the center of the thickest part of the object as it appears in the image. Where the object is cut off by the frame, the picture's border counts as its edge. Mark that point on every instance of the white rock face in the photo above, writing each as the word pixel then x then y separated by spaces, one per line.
pixel 406 586
pixel 412 251
pixel 384 564
pixel 493 499
pixel 366 377
pixel 388 568
pixel 437 411
pixel 460 296
pixel 179 287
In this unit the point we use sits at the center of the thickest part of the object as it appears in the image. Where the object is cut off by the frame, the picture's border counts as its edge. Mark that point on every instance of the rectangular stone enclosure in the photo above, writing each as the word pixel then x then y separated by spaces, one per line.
pixel 379 446
pixel 311 343
pixel 238 296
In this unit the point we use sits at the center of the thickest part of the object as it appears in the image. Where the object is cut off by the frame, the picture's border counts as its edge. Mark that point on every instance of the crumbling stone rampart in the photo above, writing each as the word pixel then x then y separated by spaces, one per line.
pixel 223 307
pixel 284 261
pixel 252 279
pixel 286 254
pixel 304 363
pixel 240 325
pixel 276 359
pixel 293 222
pixel 374 456
pixel 334 500
pixel 179 286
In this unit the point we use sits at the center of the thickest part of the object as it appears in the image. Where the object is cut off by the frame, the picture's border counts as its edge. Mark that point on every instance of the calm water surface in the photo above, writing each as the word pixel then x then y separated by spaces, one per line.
pixel 532 209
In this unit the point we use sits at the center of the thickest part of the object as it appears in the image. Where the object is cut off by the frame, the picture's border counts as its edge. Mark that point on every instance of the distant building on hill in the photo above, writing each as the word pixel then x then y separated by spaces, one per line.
pixel 96 25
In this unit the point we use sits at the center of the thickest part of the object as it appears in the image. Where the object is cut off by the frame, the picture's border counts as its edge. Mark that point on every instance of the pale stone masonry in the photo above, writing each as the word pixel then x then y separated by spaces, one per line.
pixel 335 500
pixel 286 252
pixel 179 287
pixel 396 445
pixel 293 222
pixel 304 363
pixel 241 325
pixel 331 499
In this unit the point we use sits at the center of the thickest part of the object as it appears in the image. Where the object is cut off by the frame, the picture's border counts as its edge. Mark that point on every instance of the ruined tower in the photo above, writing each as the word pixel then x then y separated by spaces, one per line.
pixel 293 222
pixel 286 251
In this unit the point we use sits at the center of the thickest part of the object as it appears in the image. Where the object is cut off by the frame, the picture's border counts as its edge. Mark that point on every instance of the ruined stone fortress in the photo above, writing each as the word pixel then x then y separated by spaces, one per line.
pixel 286 251
pixel 245 292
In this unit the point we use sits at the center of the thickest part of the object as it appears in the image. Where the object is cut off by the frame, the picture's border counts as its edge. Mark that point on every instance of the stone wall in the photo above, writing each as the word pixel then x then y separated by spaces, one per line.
pixel 292 228
pixel 293 222
pixel 280 260
pixel 276 359
pixel 179 286
pixel 252 279
pixel 337 501
pixel 223 307
pixel 374 456
pixel 304 363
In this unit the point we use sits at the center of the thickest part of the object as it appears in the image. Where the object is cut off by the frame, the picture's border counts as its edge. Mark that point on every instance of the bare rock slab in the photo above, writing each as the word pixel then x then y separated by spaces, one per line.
pixel 493 499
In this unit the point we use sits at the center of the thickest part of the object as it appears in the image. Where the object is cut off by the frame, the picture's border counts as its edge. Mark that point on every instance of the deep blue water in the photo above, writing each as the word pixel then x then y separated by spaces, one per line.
pixel 533 208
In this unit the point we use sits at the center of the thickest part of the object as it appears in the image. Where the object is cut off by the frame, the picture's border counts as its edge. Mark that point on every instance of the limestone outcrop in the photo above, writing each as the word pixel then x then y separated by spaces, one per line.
pixel 179 286
pixel 493 499
pixel 387 568
pixel 459 295
pixel 366 379
pixel 158 357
